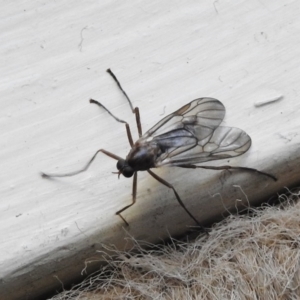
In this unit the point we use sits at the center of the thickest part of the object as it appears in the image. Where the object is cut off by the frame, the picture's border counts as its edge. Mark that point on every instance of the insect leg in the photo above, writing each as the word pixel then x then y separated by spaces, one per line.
pixel 134 187
pixel 129 136
pixel 138 121
pixel 134 110
pixel 109 71
pixel 85 167
pixel 229 168
pixel 167 184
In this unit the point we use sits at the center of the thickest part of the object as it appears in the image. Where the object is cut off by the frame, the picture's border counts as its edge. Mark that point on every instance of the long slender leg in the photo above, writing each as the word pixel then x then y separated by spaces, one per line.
pixel 129 136
pixel 229 168
pixel 167 184
pixel 138 121
pixel 84 168
pixel 134 110
pixel 134 187
pixel 109 71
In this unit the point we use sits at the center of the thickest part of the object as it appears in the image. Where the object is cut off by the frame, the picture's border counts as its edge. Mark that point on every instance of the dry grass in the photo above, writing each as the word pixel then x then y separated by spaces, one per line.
pixel 244 257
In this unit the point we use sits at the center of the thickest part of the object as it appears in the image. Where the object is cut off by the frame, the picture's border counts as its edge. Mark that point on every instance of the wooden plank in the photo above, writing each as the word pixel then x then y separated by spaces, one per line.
pixel 54 58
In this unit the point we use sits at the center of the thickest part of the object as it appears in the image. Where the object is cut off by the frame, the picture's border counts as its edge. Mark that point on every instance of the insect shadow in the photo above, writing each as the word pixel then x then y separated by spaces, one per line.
pixel 184 138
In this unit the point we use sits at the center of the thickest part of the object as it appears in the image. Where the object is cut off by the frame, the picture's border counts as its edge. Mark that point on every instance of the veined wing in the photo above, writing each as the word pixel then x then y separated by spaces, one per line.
pixel 191 146
pixel 205 112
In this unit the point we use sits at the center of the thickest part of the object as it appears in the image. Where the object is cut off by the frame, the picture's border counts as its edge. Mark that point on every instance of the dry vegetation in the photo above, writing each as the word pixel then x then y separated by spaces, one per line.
pixel 244 257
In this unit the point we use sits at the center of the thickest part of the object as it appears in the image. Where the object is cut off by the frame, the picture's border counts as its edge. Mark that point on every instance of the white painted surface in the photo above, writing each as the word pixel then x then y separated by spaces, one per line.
pixel 53 59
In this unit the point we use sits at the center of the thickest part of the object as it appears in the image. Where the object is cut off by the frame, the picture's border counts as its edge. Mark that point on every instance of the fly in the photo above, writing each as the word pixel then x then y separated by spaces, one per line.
pixel 188 136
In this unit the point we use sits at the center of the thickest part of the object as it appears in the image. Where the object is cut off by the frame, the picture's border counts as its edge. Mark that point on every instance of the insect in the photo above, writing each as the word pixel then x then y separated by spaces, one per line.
pixel 184 138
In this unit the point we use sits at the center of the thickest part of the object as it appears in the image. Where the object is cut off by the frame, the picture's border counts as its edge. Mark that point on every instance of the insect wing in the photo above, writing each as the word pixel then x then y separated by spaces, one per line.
pixel 205 112
pixel 182 130
pixel 224 142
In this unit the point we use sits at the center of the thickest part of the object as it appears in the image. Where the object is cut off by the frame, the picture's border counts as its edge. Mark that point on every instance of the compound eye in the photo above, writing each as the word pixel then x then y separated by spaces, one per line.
pixel 127 172
pixel 124 168
pixel 120 164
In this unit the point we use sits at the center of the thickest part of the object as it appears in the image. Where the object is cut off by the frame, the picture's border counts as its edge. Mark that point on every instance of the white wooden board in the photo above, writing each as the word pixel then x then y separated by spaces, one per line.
pixel 53 59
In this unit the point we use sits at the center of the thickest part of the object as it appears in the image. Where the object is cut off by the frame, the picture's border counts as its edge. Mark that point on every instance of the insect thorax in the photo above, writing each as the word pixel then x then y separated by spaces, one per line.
pixel 142 156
